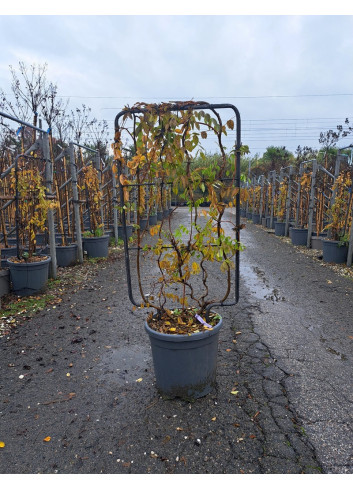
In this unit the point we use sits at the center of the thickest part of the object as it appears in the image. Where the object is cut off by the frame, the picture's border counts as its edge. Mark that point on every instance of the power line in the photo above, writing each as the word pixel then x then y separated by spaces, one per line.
pixel 210 97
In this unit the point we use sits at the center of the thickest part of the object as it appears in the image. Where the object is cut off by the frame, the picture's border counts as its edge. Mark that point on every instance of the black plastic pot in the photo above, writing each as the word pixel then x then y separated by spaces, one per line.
pixel 128 231
pixel 316 241
pixel 29 278
pixel 263 221
pixel 249 215
pixel 165 213
pixel 268 222
pixel 143 224
pixel 97 246
pixel 299 236
pixel 185 366
pixel 5 252
pixel 255 218
pixel 160 216
pixel 280 228
pixel 242 213
pixel 66 256
pixel 152 220
pixel 332 253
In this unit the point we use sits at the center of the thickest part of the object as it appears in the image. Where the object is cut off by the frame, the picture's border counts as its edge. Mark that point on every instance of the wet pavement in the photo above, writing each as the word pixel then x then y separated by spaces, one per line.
pixel 80 375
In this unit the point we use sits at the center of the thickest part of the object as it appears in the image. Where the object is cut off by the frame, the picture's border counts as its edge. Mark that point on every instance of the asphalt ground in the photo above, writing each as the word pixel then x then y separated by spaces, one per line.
pixel 78 393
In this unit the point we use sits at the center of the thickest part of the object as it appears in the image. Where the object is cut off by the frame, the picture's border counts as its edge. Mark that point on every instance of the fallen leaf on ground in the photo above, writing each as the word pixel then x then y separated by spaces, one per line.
pixel 139 380
pixel 234 392
pixel 2 444
pixel 47 438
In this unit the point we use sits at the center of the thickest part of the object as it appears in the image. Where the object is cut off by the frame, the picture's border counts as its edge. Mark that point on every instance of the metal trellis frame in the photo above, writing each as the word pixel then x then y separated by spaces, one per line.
pixel 175 108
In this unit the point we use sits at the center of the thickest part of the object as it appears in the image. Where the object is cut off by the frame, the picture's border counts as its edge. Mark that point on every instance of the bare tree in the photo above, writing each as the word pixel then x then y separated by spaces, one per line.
pixel 80 123
pixel 52 107
pixel 99 136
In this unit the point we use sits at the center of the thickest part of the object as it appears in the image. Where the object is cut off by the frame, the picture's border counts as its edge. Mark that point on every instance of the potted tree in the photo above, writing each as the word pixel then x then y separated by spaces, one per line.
pixel 335 248
pixel 29 270
pixel 256 205
pixel 94 241
pixel 181 325
pixel 299 233
pixel 280 224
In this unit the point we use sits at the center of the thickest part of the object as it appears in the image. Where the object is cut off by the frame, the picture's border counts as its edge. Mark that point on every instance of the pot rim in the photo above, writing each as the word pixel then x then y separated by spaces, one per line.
pixel 175 338
pixel 96 237
pixel 46 259
pixel 71 245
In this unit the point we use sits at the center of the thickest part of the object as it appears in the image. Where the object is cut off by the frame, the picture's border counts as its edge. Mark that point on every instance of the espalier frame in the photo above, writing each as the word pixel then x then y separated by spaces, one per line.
pixel 42 146
pixel 175 108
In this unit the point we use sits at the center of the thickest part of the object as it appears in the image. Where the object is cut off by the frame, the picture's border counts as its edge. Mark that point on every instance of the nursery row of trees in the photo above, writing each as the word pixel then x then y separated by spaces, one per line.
pixel 59 186
pixel 313 196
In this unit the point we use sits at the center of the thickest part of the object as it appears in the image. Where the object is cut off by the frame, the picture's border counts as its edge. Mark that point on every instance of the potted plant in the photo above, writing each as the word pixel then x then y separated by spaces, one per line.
pixel 29 270
pixel 335 249
pixel 299 233
pixel 280 224
pixel 256 205
pixel 182 327
pixel 95 241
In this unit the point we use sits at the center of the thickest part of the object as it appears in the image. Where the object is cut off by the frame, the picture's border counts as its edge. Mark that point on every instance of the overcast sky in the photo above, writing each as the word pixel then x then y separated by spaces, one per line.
pixel 290 76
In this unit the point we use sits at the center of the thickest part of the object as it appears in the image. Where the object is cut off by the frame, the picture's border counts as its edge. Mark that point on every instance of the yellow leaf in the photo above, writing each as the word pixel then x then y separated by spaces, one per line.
pixel 139 380
pixel 2 444
pixel 234 392
pixel 48 438
pixel 172 329
pixel 167 323
pixel 214 419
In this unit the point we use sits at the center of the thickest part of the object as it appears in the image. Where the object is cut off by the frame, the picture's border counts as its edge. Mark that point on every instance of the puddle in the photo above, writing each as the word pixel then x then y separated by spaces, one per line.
pixel 126 364
pixel 252 281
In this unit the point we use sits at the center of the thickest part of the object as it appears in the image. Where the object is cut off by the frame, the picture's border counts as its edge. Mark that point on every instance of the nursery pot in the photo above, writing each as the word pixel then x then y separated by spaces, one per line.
pixel 128 231
pixel 299 236
pixel 143 224
pixel 268 222
pixel 166 213
pixel 29 278
pixel 332 253
pixel 256 218
pixel 185 366
pixel 152 220
pixel 97 246
pixel 316 241
pixel 280 228
pixel 249 215
pixel 263 221
pixel 66 255
pixel 242 213
pixel 160 215
pixel 5 252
